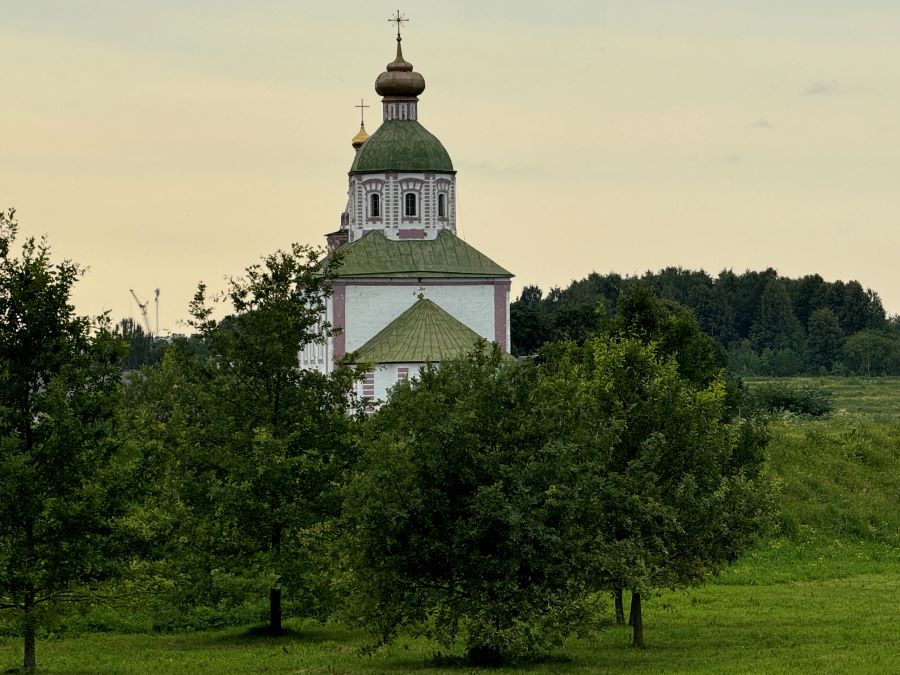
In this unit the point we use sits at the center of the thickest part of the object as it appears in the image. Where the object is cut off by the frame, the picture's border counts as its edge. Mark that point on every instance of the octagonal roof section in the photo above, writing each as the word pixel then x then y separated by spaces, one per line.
pixel 402 145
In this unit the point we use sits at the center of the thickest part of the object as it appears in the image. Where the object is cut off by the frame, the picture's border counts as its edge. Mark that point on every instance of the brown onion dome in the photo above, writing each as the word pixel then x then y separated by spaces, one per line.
pixel 400 79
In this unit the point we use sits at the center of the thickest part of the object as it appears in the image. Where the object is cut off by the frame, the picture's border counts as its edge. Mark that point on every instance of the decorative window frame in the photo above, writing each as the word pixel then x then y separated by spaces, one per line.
pixel 411 186
pixel 442 189
pixel 374 186
pixel 411 205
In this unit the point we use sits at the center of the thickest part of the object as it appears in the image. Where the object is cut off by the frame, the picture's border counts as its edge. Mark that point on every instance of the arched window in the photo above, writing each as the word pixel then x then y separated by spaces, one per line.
pixel 442 205
pixel 375 206
pixel 409 204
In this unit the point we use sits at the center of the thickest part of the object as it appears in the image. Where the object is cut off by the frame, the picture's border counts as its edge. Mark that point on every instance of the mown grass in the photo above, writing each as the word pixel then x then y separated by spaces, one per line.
pixel 819 597
pixel 786 609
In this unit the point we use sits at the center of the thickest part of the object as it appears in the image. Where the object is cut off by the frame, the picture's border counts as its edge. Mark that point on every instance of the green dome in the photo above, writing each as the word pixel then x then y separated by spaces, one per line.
pixel 401 145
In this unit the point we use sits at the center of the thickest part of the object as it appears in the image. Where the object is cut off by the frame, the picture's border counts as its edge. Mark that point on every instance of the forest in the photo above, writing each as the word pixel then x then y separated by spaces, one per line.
pixel 765 324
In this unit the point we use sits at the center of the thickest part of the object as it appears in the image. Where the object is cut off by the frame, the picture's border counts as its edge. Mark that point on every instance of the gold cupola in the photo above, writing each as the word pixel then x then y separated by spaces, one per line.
pixel 361 137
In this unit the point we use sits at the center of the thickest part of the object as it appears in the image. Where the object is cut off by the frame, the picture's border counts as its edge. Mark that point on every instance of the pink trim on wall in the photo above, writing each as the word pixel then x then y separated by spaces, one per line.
pixel 339 313
pixel 411 234
pixel 501 290
pixel 422 281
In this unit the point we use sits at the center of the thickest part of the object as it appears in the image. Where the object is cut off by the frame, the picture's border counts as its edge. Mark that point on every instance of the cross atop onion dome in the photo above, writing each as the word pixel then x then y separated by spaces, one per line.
pixel 400 79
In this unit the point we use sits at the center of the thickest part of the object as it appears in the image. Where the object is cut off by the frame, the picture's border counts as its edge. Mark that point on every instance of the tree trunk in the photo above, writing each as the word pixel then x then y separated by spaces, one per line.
pixel 30 660
pixel 620 607
pixel 631 611
pixel 637 621
pixel 275 627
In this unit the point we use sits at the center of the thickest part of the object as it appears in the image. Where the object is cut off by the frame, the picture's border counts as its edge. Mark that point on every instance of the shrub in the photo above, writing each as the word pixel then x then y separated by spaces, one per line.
pixel 801 399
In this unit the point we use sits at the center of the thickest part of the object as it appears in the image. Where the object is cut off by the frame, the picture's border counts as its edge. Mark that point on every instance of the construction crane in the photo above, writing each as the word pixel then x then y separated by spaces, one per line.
pixel 156 300
pixel 143 306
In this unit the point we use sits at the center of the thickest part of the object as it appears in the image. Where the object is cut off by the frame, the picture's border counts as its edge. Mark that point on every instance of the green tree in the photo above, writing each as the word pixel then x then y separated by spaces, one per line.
pixel 776 326
pixel 60 477
pixel 527 321
pixel 673 328
pixel 266 443
pixel 679 493
pixel 467 515
pixel 824 340
pixel 143 349
pixel 873 352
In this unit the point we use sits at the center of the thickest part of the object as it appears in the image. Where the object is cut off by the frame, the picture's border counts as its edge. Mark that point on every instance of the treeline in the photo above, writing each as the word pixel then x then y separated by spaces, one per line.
pixel 489 503
pixel 766 324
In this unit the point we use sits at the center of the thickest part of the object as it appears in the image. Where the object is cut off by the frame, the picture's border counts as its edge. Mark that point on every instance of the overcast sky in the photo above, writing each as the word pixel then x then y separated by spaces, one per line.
pixel 161 144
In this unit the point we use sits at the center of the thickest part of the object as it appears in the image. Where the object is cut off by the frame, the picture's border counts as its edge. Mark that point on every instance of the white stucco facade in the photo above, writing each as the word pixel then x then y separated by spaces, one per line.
pixel 378 201
pixel 368 305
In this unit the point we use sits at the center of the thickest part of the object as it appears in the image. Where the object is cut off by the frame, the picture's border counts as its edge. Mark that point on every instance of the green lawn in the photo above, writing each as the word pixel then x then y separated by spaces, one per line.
pixel 821 597
pixel 829 618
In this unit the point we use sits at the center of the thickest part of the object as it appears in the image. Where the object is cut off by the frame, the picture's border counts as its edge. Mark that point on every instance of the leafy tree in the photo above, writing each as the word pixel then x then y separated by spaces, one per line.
pixel 856 309
pixel 807 294
pixel 873 352
pixel 468 516
pixel 527 321
pixel 673 328
pixel 697 291
pixel 745 293
pixel 143 349
pixel 266 442
pixel 776 327
pixel 824 340
pixel 679 493
pixel 60 476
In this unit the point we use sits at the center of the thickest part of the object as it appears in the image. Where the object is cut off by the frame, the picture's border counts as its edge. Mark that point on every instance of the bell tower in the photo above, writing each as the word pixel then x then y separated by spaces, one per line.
pixel 402 182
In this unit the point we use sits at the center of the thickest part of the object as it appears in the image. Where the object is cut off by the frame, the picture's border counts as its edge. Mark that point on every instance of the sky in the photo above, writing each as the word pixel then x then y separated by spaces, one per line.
pixel 163 143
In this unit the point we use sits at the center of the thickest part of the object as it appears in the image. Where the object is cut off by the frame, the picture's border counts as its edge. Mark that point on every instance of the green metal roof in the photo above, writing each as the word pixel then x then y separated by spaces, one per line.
pixel 423 333
pixel 401 145
pixel 376 256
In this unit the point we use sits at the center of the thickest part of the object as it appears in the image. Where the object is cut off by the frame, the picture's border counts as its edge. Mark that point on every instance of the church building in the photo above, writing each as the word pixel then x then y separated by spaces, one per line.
pixel 409 290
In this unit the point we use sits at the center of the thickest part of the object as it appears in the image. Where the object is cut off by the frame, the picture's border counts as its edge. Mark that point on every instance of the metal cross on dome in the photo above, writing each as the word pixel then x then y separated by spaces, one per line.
pixel 399 19
pixel 362 111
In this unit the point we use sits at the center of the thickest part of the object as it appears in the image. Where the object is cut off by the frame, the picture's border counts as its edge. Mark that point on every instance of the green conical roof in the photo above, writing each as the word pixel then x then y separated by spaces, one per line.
pixel 374 255
pixel 401 145
pixel 423 333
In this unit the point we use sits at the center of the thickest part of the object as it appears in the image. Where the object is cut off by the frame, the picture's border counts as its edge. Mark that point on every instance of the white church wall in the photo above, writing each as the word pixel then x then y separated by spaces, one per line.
pixel 391 187
pixel 383 377
pixel 316 356
pixel 369 308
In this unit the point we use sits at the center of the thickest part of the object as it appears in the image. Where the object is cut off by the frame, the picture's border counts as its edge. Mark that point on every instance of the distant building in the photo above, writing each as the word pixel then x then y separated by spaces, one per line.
pixel 409 290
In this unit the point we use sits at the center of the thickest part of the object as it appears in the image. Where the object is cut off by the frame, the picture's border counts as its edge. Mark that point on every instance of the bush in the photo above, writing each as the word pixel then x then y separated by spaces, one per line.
pixel 801 399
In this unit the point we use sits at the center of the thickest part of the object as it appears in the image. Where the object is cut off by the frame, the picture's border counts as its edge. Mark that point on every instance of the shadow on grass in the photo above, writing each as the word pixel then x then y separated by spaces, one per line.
pixel 442 663
pixel 255 635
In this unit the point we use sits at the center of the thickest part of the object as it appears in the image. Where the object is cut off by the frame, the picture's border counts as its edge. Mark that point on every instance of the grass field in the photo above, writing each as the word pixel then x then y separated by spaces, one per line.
pixel 821 597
